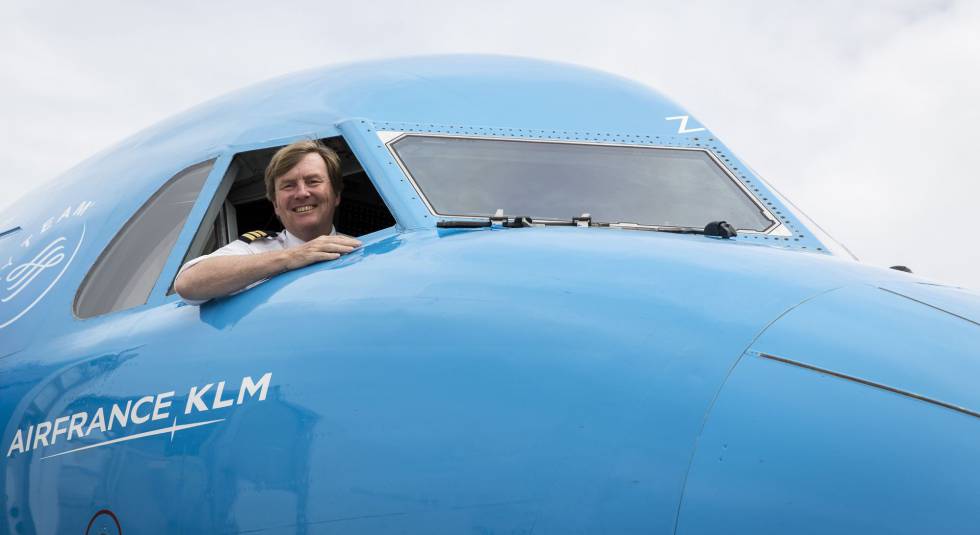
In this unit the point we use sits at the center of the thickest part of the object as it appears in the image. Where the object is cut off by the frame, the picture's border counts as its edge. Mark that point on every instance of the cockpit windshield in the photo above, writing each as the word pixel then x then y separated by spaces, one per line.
pixel 664 187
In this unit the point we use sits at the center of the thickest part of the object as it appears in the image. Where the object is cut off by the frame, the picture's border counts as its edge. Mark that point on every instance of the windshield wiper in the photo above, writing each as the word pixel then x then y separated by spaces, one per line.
pixel 584 220
pixel 496 219
pixel 716 229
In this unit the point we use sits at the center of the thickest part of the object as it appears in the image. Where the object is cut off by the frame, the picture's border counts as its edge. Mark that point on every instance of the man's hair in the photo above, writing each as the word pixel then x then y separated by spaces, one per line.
pixel 287 157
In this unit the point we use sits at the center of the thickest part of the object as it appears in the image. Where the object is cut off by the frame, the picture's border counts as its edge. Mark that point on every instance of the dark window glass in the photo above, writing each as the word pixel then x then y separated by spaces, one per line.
pixel 129 267
pixel 546 180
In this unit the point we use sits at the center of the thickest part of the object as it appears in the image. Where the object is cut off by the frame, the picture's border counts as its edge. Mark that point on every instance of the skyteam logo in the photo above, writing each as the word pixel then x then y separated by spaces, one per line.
pixel 33 262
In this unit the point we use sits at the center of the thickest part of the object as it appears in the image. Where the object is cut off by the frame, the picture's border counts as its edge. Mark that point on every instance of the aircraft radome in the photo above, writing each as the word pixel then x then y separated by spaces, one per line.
pixel 537 334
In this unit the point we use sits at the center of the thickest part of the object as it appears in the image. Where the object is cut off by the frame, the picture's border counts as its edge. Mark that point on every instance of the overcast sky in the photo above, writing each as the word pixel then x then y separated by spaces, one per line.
pixel 860 112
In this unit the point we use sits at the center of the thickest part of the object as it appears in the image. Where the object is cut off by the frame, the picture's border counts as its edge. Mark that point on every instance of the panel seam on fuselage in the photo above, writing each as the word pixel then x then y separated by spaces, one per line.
pixel 881 386
pixel 711 406
pixel 893 292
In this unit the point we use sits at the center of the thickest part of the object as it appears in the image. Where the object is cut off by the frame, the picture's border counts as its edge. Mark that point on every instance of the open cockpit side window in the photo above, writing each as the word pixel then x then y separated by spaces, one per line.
pixel 240 204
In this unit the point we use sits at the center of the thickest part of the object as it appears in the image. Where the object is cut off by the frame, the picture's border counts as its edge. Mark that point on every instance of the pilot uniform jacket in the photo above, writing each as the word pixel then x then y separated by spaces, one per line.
pixel 278 242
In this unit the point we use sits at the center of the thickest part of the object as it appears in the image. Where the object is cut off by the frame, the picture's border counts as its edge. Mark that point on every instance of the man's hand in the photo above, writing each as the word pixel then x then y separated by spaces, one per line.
pixel 319 250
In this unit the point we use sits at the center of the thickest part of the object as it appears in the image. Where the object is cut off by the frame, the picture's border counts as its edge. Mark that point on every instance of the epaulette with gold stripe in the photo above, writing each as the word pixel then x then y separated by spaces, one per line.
pixel 249 237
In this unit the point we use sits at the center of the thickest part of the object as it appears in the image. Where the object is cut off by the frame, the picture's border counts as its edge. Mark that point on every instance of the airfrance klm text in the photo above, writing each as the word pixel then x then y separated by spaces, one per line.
pixel 136 412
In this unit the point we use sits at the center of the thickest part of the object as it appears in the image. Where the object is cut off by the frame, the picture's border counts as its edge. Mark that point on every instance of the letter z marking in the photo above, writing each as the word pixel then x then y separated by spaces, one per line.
pixel 682 127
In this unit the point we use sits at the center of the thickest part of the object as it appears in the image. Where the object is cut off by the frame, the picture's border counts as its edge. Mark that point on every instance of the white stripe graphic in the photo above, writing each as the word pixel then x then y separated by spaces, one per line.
pixel 172 429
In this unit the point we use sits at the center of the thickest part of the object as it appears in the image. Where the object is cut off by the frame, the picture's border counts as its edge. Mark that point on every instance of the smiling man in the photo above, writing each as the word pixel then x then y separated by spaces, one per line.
pixel 304 184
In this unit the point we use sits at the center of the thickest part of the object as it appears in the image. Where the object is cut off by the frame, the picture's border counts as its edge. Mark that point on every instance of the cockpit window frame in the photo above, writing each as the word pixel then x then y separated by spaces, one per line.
pixel 389 138
pixel 216 202
pixel 210 198
pixel 103 276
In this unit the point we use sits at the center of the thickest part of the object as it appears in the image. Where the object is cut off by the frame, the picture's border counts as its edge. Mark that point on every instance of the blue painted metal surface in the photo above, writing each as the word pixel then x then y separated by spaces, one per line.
pixel 546 380
pixel 799 451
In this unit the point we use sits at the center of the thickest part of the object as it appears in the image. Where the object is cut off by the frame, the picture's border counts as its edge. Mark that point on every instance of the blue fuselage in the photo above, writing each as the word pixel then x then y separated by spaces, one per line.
pixel 496 380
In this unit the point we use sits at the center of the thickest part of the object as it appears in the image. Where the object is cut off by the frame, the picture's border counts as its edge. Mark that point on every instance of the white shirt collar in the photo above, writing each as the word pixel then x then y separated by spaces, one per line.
pixel 292 241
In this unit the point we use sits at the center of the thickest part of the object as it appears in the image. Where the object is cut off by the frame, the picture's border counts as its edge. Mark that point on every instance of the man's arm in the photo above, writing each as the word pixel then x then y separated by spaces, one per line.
pixel 225 275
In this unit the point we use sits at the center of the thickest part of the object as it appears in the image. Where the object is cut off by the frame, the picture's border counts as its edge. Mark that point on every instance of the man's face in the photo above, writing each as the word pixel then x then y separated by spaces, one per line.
pixel 305 200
